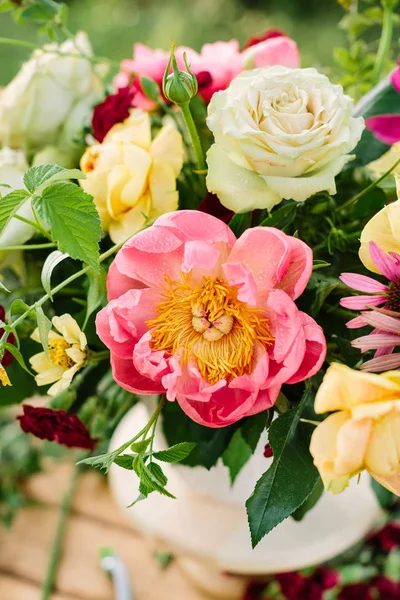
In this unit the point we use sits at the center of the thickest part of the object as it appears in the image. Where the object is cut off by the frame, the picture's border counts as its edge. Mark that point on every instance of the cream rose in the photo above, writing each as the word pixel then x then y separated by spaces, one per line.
pixel 279 133
pixel 132 176
pixel 37 105
pixel 12 168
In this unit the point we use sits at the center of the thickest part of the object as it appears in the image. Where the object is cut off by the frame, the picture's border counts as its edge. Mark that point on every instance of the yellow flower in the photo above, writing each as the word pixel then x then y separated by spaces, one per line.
pixel 384 227
pixel 4 379
pixel 131 176
pixel 66 355
pixel 364 433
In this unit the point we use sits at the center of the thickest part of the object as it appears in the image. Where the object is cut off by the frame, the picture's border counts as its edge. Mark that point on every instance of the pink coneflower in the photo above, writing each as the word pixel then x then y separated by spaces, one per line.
pixel 386 320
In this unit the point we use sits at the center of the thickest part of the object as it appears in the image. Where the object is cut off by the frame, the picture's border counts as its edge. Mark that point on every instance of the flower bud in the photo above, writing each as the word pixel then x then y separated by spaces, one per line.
pixel 179 87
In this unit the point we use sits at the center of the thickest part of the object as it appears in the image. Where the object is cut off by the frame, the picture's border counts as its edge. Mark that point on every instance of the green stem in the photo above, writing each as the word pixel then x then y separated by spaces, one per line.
pixel 356 198
pixel 384 45
pixel 57 547
pixel 194 136
pixel 34 224
pixel 28 247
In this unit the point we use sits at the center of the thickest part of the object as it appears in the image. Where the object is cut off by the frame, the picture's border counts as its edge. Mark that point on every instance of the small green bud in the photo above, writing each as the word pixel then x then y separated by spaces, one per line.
pixel 179 86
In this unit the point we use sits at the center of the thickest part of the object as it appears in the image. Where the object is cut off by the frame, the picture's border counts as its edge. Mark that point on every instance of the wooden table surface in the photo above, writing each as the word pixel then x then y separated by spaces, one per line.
pixel 94 521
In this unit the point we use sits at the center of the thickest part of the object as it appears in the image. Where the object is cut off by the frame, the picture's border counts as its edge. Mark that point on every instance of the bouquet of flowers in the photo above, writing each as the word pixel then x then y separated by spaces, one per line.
pixel 218 229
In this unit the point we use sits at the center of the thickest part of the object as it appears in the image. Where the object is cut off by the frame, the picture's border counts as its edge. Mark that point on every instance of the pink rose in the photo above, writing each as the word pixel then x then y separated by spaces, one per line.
pixel 215 66
pixel 209 319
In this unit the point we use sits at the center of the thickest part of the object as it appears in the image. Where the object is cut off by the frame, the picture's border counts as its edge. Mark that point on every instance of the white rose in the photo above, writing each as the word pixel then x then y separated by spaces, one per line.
pixel 279 133
pixel 37 103
pixel 12 168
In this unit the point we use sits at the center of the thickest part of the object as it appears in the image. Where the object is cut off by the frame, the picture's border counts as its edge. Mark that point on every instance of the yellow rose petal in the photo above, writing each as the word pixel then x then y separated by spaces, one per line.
pixel 168 146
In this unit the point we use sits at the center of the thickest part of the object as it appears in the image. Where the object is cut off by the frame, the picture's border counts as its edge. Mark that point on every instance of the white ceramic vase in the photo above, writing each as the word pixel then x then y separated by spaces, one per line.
pixel 207 522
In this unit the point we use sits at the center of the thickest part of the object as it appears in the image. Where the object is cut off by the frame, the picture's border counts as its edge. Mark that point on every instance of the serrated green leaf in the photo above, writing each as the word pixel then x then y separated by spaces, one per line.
pixel 97 292
pixel 150 88
pixel 101 461
pixel 18 357
pixel 44 326
pixel 311 501
pixel 292 476
pixel 141 446
pixel 74 221
pixel 18 307
pixel 9 205
pixel 282 217
pixel 125 461
pixel 148 479
pixel 175 453
pixel 49 265
pixel 252 428
pixel 37 178
pixel 158 473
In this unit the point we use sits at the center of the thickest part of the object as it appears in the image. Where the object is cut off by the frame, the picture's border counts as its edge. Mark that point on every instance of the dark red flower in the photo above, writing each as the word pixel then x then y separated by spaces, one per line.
pixel 56 426
pixel 268 452
pixel 254 591
pixel 267 35
pixel 356 591
pixel 326 578
pixel 204 79
pixel 114 109
pixel 291 584
pixel 7 357
pixel 212 206
pixel 389 537
pixel 388 589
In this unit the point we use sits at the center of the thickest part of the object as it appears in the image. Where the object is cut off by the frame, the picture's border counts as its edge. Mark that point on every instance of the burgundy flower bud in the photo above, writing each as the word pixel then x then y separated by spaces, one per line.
pixel 114 109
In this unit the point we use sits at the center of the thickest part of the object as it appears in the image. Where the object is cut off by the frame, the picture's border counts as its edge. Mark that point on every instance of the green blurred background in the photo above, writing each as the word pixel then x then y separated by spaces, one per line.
pixel 114 25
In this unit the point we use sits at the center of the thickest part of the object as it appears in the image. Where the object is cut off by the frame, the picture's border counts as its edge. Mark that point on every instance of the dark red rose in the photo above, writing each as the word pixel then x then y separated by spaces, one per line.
pixel 267 35
pixel 356 591
pixel 56 426
pixel 268 452
pixel 212 206
pixel 254 591
pixel 291 584
pixel 204 79
pixel 326 578
pixel 7 357
pixel 389 537
pixel 114 109
pixel 388 589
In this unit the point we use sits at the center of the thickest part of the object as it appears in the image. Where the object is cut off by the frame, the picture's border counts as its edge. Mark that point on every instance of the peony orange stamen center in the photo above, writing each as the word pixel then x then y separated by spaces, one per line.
pixel 207 324
pixel 58 355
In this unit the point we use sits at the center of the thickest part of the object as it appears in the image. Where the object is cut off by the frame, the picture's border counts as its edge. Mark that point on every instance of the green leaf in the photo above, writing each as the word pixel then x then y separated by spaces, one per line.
pixel 97 292
pixel 311 501
pixel 74 221
pixel 18 307
pixel 44 326
pixel 292 476
pixel 41 11
pixel 176 453
pixel 243 443
pixel 141 446
pixel 239 223
pixel 392 565
pixel 236 455
pixel 282 217
pixel 158 473
pixel 125 461
pixel 163 559
pixel 323 288
pixel 3 287
pixel 148 479
pixel 101 461
pixel 150 88
pixel 49 265
pixel 320 264
pixel 37 178
pixel 18 357
pixel 384 497
pixel 9 205
pixel 6 6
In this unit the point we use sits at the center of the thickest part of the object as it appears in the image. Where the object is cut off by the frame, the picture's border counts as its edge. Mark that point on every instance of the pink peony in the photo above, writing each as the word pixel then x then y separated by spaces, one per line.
pixel 215 66
pixel 210 319
pixel 387 127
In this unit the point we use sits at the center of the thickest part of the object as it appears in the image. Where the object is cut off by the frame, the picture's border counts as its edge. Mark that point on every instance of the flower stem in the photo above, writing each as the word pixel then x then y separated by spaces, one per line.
pixel 194 136
pixel 57 547
pixel 28 247
pixel 34 224
pixel 356 198
pixel 384 45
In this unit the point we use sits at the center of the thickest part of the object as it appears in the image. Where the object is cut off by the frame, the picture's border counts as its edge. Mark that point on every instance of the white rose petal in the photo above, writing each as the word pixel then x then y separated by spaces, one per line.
pixel 279 133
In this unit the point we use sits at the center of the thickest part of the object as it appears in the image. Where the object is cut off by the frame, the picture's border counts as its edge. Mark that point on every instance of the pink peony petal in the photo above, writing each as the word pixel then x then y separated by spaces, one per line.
pixel 373 341
pixel 279 50
pixel 384 263
pixel 201 258
pixel 130 379
pixel 299 268
pixel 395 79
pixel 362 283
pixel 150 363
pixel 195 225
pixel 315 352
pixel 362 302
pixel 237 275
pixel 118 284
pixel 385 127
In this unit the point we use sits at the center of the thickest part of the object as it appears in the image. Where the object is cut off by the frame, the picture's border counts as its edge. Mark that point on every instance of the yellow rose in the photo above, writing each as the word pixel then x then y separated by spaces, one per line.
pixel 364 433
pixel 131 176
